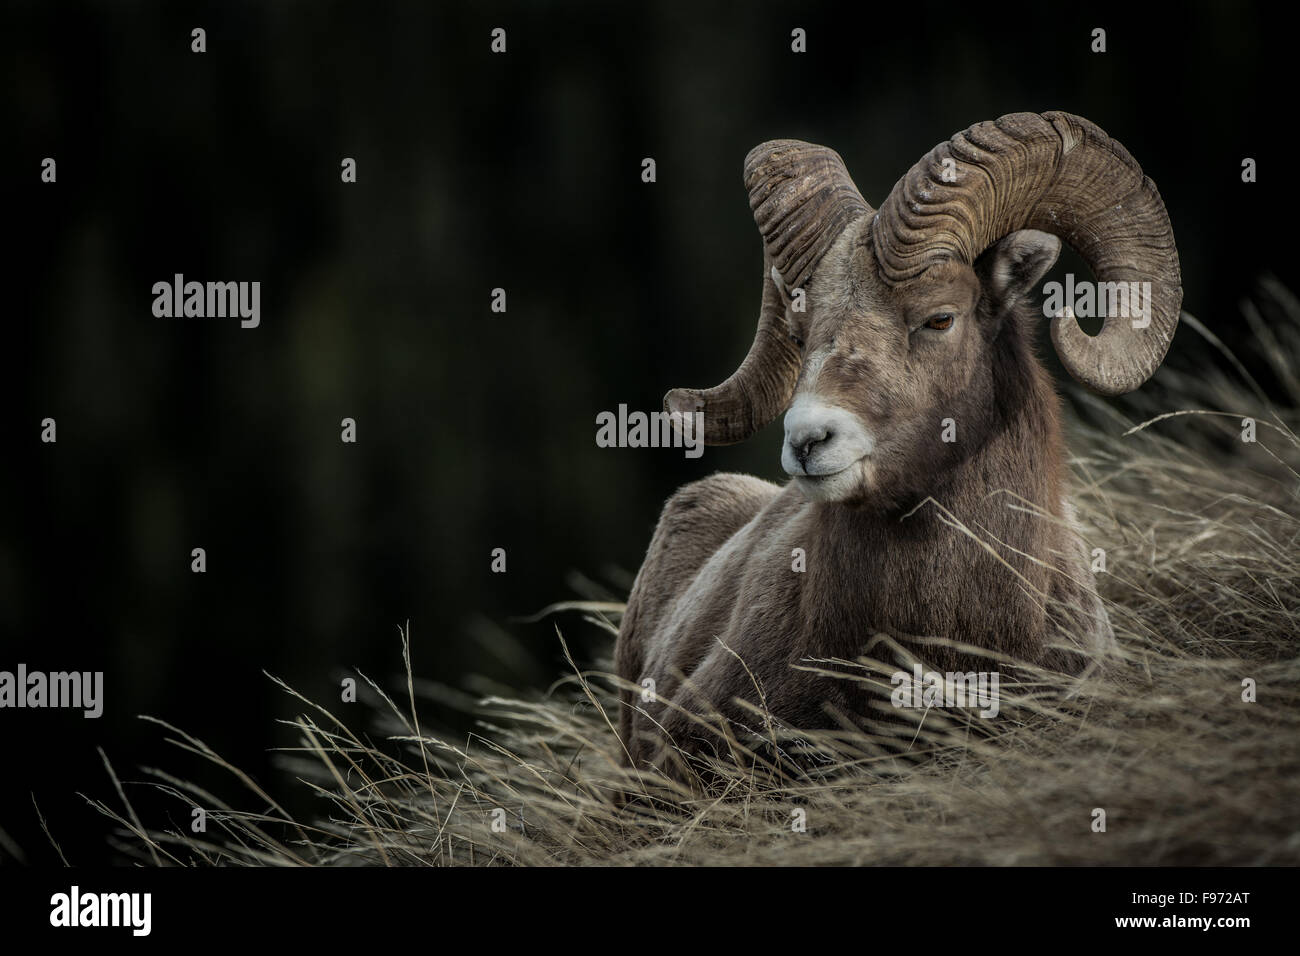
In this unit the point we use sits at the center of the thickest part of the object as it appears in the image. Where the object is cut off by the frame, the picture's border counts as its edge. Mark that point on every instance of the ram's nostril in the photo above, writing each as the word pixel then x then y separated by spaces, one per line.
pixel 805 448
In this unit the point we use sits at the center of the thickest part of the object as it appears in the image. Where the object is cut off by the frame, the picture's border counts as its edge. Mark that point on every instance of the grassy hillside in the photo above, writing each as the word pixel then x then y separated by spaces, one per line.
pixel 1203 589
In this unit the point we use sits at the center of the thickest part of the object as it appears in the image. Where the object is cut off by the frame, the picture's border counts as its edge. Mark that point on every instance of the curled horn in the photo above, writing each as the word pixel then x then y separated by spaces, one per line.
pixel 1057 173
pixel 802 198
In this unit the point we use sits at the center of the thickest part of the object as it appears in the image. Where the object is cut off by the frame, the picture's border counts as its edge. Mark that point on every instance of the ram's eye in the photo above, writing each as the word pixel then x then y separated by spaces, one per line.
pixel 942 321
pixel 796 340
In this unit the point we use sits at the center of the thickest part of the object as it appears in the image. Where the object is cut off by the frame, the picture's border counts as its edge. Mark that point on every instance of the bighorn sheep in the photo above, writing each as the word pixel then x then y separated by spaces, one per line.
pixel 917 328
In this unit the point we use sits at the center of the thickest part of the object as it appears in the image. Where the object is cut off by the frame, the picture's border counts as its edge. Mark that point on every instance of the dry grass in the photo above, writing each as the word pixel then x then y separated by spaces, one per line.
pixel 1203 589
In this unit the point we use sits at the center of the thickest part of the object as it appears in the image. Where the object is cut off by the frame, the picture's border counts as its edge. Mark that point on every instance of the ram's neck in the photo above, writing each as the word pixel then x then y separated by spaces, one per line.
pixel 1022 454
pixel 967 562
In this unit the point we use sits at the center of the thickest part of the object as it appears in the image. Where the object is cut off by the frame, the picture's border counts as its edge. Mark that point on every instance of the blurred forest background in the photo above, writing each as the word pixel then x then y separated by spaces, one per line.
pixel 475 429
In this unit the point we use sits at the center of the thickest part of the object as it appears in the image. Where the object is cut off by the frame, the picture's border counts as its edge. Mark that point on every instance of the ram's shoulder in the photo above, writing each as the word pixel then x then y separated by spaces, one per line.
pixel 719 493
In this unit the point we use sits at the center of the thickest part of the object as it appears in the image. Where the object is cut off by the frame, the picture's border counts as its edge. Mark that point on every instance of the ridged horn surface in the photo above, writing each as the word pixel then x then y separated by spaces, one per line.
pixel 1061 174
pixel 802 199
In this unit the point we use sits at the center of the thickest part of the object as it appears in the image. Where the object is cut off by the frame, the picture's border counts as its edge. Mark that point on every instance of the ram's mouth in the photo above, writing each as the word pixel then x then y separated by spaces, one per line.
pixel 832 485
pixel 831 474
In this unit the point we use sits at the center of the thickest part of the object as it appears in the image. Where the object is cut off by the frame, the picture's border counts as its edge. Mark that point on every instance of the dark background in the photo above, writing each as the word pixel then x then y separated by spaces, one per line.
pixel 476 430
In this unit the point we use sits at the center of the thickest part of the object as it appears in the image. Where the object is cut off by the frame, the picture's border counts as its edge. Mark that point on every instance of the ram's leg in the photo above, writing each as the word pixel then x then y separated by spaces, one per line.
pixel 758 710
pixel 1076 614
pixel 732 725
pixel 695 522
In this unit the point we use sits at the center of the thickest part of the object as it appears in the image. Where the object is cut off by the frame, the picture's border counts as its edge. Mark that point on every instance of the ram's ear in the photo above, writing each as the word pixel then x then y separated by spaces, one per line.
pixel 1014 266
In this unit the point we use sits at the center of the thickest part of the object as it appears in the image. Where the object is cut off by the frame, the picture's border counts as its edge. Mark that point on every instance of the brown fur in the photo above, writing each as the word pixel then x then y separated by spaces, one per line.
pixel 717 614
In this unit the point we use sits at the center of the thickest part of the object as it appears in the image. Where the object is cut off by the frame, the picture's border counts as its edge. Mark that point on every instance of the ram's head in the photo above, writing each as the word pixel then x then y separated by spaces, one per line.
pixel 876 325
